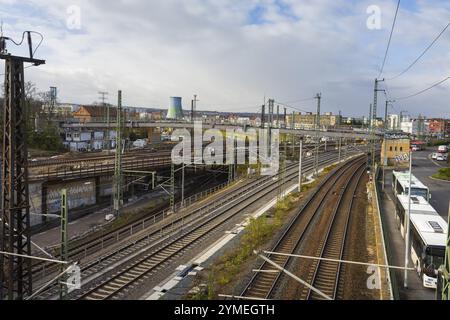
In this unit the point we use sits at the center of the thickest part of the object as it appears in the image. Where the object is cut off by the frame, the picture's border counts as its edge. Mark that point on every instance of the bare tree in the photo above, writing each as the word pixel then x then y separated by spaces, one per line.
pixel 46 100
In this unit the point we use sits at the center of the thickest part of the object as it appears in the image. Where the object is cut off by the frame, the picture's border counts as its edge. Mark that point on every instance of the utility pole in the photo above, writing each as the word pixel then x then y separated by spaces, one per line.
pixel 64 249
pixel 103 98
pixel 317 129
pixel 400 120
pixel 263 116
pixel 281 175
pixel 271 112
pixel 278 116
pixel 386 128
pixel 340 151
pixel 182 184
pixel 293 121
pixel 172 187
pixel 53 97
pixel 300 167
pixel 118 192
pixel 407 222
pixel 374 118
pixel 15 233
pixel 339 120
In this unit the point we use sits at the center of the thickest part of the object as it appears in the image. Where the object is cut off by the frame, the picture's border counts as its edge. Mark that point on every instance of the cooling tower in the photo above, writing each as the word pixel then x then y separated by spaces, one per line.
pixel 175 111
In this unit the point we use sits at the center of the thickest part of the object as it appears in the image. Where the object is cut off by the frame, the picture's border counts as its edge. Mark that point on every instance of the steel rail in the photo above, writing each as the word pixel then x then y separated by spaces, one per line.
pixel 326 186
pixel 327 245
pixel 173 248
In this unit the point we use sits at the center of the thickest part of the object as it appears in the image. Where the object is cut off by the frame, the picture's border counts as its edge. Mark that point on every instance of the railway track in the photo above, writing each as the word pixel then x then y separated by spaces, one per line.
pixel 151 235
pixel 84 248
pixel 326 274
pixel 200 229
pixel 97 158
pixel 263 285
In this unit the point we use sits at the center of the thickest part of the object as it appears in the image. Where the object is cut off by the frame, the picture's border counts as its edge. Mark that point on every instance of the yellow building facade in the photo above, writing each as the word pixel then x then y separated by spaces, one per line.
pixel 396 151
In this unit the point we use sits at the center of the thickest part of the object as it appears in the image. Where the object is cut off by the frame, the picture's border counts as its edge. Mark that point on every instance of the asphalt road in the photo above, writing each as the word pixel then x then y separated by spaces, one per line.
pixel 423 169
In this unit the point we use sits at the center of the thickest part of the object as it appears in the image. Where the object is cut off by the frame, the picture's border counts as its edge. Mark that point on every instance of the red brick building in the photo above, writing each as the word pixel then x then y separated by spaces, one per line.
pixel 94 113
pixel 437 126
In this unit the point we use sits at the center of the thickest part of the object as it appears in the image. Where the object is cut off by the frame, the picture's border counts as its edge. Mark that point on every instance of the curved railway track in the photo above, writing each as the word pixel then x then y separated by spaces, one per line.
pixel 149 238
pixel 156 258
pixel 326 274
pixel 263 285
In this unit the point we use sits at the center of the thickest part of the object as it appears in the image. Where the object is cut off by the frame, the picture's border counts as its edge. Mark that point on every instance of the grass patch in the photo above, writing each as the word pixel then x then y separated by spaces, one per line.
pixel 256 235
pixel 329 169
pixel 443 174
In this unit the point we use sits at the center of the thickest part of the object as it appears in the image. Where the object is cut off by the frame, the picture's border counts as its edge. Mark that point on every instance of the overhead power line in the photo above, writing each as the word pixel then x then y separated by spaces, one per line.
pixel 423 53
pixel 290 107
pixel 390 39
pixel 423 91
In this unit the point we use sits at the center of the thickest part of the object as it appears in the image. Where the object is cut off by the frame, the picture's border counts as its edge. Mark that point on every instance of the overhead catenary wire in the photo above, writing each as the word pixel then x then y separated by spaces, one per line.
pixel 390 39
pixel 422 54
pixel 291 107
pixel 23 37
pixel 422 91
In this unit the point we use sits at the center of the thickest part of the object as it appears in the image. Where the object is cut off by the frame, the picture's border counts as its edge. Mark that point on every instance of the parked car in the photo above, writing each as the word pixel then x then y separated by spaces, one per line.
pixel 443 149
pixel 442 157
pixel 434 156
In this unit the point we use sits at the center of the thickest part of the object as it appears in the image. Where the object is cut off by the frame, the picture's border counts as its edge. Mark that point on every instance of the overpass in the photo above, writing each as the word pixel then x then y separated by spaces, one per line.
pixel 190 125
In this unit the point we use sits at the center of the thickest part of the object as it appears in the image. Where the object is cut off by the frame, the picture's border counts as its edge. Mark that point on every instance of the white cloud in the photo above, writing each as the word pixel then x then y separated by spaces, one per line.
pixel 155 49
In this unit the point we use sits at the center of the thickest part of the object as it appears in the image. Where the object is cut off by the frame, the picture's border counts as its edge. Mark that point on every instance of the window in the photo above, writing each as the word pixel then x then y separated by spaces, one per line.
pixel 401 148
pixel 391 149
pixel 396 148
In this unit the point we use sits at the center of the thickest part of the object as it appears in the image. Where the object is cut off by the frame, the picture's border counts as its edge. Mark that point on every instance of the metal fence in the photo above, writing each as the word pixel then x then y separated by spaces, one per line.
pixel 100 169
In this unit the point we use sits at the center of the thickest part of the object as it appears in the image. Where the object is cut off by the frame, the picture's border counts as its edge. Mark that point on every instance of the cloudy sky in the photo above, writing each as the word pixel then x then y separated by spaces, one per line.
pixel 233 53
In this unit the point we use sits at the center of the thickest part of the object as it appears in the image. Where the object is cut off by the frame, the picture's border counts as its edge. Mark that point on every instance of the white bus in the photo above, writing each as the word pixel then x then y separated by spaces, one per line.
pixel 400 185
pixel 428 237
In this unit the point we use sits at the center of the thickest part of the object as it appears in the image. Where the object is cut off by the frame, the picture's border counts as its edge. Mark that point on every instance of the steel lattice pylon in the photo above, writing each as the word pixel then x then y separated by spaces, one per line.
pixel 15 274
pixel 118 185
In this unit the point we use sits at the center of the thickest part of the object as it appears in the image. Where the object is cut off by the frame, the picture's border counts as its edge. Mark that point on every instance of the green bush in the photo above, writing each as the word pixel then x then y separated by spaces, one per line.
pixel 48 139
pixel 443 174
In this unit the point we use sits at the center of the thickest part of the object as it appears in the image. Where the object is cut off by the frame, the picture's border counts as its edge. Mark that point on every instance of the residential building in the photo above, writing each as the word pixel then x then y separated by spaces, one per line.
pixel 439 127
pixel 307 121
pixel 59 111
pixel 95 113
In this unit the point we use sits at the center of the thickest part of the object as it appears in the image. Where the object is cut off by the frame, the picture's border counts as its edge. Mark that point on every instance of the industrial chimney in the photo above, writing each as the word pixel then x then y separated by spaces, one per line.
pixel 175 111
